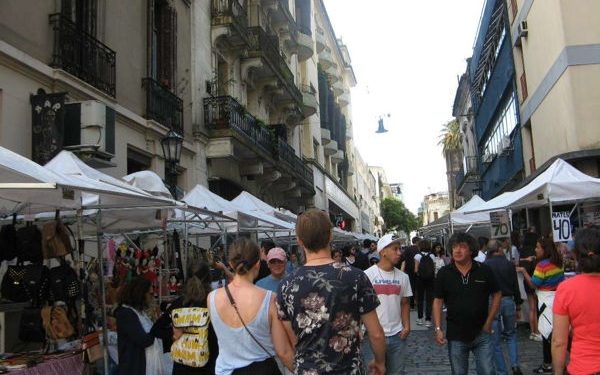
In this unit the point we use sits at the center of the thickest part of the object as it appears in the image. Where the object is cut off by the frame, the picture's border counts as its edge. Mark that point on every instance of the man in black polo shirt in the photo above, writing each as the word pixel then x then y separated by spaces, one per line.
pixel 465 287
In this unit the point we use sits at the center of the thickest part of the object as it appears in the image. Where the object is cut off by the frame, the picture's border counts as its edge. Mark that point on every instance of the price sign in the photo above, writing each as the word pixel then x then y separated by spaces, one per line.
pixel 500 224
pixel 561 226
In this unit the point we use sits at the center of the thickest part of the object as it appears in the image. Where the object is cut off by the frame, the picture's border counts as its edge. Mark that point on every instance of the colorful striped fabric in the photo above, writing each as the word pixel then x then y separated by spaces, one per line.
pixel 547 275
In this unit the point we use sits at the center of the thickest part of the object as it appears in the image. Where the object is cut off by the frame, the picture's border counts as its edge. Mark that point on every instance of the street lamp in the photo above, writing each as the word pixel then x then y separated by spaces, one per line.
pixel 171 148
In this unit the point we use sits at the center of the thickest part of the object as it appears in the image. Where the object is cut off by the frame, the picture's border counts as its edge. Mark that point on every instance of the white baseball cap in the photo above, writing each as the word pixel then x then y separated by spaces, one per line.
pixel 386 241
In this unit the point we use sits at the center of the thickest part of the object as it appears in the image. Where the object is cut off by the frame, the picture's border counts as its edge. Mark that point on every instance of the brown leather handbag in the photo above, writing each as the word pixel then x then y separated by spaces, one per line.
pixel 56 322
pixel 55 240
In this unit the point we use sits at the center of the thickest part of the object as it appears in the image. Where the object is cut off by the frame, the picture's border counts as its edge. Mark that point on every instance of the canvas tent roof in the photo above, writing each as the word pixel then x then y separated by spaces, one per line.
pixel 559 183
pixel 248 200
pixel 250 204
pixel 26 186
pixel 460 217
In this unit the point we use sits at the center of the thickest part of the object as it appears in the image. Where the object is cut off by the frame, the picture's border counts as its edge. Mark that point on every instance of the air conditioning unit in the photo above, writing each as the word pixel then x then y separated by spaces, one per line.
pixel 522 28
pixel 505 143
pixel 487 158
pixel 90 129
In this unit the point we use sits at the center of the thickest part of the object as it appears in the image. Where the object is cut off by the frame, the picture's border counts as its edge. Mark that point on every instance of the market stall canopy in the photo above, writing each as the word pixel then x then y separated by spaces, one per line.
pixel 251 202
pixel 200 196
pixel 559 183
pixel 150 182
pixel 116 193
pixel 460 217
pixel 27 187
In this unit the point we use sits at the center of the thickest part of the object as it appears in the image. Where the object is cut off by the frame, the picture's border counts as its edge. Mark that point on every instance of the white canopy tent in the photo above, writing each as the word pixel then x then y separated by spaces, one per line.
pixel 251 202
pixel 460 218
pixel 561 183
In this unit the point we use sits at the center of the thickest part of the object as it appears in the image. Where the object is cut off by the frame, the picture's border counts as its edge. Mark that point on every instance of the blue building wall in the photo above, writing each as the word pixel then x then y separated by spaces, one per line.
pixel 506 167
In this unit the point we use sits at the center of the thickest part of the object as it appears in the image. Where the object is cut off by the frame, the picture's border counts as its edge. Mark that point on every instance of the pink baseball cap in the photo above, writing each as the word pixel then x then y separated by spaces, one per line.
pixel 276 253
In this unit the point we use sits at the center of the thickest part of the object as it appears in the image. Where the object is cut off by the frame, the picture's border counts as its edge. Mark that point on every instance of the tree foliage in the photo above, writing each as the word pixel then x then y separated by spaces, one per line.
pixel 450 137
pixel 397 216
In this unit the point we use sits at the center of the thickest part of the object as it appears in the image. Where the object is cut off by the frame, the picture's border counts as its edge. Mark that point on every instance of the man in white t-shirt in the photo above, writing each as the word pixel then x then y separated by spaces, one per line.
pixel 393 290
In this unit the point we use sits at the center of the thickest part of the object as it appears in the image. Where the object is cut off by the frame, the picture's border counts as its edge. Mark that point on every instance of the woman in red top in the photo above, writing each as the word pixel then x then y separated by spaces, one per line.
pixel 576 305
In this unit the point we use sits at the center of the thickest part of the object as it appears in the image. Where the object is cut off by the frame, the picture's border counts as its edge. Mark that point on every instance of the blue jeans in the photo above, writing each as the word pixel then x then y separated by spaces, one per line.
pixel 482 349
pixel 395 348
pixel 504 325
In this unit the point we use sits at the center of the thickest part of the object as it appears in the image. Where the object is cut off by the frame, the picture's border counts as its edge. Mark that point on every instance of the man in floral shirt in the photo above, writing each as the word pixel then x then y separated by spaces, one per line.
pixel 323 304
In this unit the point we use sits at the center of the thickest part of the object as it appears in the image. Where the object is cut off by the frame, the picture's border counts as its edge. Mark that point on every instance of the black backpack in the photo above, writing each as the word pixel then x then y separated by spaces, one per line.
pixel 426 269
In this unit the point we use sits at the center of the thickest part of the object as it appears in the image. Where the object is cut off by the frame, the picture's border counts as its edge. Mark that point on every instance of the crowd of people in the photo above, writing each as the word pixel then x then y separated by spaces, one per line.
pixel 347 311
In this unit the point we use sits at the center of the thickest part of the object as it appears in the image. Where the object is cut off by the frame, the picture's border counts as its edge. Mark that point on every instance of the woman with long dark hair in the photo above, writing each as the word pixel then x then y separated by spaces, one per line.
pixel 576 306
pixel 548 274
pixel 140 352
pixel 245 320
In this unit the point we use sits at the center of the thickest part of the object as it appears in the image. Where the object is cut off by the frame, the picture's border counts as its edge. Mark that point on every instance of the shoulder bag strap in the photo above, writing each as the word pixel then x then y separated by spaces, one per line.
pixel 232 302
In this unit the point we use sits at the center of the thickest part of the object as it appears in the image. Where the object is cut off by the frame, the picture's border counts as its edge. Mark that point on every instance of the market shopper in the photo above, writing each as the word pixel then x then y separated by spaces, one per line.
pixel 393 290
pixel 140 351
pixel 276 261
pixel 425 272
pixel 527 260
pixel 505 324
pixel 323 304
pixel 576 306
pixel 548 274
pixel 244 317
pixel 466 287
pixel 195 293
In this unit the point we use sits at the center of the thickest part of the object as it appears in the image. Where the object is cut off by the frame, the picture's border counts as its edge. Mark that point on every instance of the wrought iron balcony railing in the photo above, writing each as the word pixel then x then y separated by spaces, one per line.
pixel 163 106
pixel 82 55
pixel 469 172
pixel 224 112
pixel 230 12
pixel 286 154
pixel 262 44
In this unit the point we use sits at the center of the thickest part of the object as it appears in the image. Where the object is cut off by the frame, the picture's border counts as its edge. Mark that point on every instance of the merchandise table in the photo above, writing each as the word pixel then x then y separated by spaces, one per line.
pixel 68 364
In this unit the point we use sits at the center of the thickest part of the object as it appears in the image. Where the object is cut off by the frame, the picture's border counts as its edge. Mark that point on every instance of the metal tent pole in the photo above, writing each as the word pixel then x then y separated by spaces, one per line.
pixel 102 288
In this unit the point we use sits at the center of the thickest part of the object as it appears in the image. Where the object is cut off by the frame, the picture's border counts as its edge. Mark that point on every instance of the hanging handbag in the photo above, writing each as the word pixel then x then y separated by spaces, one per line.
pixel 29 244
pixel 8 242
pixel 56 322
pixel 31 327
pixel 92 350
pixel 64 284
pixel 191 348
pixel 56 241
pixel 24 283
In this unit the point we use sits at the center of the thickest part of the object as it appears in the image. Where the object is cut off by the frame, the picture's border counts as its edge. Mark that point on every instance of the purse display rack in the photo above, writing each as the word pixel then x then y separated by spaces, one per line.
pixel 38 284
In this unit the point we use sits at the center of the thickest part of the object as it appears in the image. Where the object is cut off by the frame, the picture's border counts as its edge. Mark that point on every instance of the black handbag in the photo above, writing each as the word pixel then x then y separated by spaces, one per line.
pixel 31 326
pixel 8 242
pixel 29 244
pixel 64 284
pixel 25 283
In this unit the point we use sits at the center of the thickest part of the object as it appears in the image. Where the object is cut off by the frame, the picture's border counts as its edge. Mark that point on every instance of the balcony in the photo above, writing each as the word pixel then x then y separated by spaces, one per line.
pixel 332 73
pixel 325 136
pixel 326 58
pixel 320 41
pixel 338 157
pixel 229 22
pixel 309 100
pixel 82 55
pixel 306 46
pixel 293 164
pixel 337 88
pixel 163 106
pixel 331 148
pixel 469 174
pixel 224 117
pixel 344 99
pixel 266 48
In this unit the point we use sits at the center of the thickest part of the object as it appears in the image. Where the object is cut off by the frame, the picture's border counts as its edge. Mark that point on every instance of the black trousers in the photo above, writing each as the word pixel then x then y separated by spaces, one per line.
pixel 413 286
pixel 424 297
pixel 266 367
pixel 547 349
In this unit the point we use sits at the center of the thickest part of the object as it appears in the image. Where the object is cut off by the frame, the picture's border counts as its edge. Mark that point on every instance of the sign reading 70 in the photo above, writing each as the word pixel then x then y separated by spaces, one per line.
pixel 499 223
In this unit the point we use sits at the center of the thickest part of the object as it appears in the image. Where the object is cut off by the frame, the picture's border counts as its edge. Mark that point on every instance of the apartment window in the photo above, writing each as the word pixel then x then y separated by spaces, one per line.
pixel 163 45
pixel 82 13
pixel 137 161
pixel 490 67
pixel 503 126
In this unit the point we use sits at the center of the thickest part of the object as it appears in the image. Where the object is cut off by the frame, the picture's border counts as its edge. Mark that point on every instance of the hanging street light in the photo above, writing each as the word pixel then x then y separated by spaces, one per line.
pixel 171 148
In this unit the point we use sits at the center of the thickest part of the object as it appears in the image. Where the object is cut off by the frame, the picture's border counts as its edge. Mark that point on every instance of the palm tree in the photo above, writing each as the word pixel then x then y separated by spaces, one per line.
pixel 450 137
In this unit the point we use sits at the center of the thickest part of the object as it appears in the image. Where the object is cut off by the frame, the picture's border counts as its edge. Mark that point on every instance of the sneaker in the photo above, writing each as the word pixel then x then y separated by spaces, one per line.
pixel 516 371
pixel 419 322
pixel 543 369
pixel 428 323
pixel 536 337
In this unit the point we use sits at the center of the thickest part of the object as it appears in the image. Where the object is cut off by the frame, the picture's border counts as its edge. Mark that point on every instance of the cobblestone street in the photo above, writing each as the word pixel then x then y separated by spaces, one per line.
pixel 425 357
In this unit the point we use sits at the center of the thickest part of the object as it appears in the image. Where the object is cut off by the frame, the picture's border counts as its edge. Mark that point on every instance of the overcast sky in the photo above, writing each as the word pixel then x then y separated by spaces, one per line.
pixel 407 56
